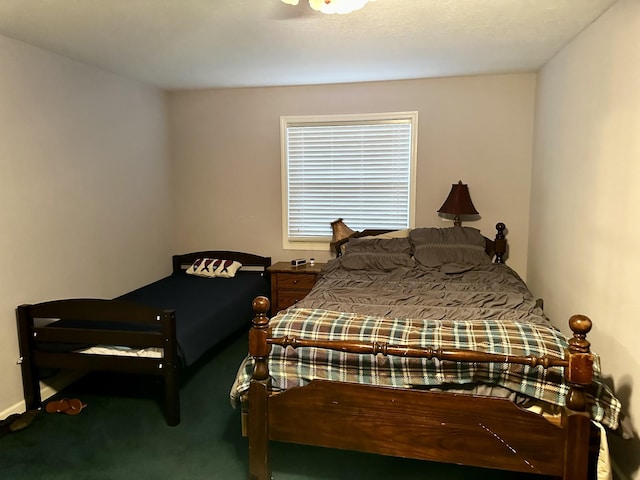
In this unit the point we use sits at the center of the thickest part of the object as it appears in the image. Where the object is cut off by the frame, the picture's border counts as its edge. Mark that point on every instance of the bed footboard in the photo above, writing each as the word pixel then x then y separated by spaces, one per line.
pixel 478 431
pixel 97 322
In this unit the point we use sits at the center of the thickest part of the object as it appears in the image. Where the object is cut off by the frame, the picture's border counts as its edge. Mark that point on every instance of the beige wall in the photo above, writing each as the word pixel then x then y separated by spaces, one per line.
pixel 84 188
pixel 226 150
pixel 584 232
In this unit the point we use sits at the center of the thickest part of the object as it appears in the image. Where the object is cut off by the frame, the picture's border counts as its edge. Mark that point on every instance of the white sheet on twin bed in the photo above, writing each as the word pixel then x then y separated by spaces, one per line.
pixel 149 352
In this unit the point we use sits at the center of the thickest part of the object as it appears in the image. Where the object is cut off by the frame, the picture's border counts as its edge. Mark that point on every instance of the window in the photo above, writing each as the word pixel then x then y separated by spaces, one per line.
pixel 357 167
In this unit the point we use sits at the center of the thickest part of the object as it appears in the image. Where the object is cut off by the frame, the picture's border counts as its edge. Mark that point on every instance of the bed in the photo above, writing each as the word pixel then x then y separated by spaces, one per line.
pixel 157 329
pixel 422 347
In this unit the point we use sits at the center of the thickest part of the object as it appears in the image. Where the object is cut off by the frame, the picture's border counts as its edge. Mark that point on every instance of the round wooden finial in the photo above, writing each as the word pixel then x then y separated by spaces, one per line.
pixel 500 227
pixel 580 324
pixel 261 305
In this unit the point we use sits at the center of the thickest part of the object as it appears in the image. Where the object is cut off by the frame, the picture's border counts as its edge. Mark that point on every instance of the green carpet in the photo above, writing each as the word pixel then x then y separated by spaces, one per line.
pixel 122 434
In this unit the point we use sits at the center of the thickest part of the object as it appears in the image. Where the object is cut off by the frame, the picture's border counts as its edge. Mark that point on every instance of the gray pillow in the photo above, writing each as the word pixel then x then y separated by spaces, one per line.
pixel 434 247
pixel 377 254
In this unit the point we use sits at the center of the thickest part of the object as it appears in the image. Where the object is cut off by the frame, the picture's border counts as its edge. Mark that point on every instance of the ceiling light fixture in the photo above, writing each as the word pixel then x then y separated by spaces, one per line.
pixel 333 6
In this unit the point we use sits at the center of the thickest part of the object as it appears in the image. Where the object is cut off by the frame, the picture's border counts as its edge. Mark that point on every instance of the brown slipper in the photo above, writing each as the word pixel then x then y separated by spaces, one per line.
pixel 57 406
pixel 75 407
pixel 70 406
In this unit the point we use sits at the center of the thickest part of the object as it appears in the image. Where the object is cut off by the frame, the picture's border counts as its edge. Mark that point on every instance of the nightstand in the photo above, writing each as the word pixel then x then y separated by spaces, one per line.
pixel 290 284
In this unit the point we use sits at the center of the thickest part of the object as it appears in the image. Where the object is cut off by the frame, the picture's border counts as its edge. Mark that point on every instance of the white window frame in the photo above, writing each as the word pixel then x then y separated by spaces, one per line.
pixel 286 121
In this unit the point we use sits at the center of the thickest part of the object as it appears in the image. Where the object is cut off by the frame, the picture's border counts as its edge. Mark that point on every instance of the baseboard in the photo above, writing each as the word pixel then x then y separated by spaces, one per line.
pixel 53 386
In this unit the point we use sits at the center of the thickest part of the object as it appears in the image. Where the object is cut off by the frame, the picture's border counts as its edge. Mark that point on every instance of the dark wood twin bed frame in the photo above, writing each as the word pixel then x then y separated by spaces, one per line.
pixel 444 427
pixel 155 328
pixel 99 310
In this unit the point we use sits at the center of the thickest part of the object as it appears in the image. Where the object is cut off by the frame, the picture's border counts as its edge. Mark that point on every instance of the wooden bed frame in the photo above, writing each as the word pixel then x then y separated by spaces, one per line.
pixel 472 430
pixel 162 336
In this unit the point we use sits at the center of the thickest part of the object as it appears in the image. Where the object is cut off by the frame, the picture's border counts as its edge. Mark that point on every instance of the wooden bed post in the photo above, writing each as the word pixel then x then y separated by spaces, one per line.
pixel 171 380
pixel 577 421
pixel 500 243
pixel 30 379
pixel 258 427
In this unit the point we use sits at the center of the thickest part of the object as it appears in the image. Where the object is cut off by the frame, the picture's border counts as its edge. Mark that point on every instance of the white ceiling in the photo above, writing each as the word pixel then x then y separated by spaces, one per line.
pixel 177 44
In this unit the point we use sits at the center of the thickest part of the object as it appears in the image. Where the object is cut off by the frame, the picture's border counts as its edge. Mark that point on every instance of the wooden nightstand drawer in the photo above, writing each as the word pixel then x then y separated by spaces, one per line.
pixel 291 284
pixel 287 298
pixel 296 281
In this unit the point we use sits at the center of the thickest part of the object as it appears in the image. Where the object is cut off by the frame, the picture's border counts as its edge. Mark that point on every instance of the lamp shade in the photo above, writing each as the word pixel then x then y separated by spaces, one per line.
pixel 458 202
pixel 340 230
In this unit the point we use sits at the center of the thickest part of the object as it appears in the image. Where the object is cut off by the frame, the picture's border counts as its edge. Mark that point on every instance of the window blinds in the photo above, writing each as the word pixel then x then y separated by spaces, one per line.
pixel 360 172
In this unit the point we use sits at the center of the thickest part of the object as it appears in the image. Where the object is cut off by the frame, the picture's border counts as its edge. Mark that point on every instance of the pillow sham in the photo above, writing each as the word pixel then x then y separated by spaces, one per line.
pixel 404 233
pixel 214 267
pixel 377 254
pixel 202 267
pixel 433 247
pixel 226 268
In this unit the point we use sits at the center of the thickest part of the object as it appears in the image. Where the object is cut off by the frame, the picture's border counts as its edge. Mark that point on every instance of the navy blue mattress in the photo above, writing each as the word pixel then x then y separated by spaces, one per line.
pixel 208 310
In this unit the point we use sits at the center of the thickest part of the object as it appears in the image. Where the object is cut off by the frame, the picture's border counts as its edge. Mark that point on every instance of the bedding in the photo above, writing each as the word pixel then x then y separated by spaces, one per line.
pixel 488 308
pixel 377 254
pixel 207 309
pixel 434 247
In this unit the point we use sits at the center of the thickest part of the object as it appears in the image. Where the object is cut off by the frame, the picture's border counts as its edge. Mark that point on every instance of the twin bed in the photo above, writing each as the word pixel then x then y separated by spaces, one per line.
pixel 416 344
pixel 157 329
